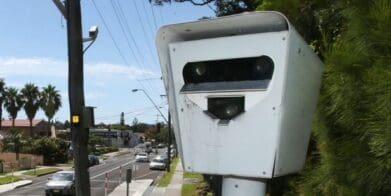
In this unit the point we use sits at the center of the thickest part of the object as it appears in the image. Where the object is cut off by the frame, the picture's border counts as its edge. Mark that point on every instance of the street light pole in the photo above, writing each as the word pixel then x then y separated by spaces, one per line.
pixel 150 99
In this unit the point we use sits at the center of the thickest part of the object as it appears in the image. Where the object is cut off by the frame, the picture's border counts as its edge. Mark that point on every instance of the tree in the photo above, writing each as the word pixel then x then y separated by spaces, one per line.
pixel 135 125
pixel 223 7
pixel 351 129
pixel 122 120
pixel 14 142
pixel 13 103
pixel 2 97
pixel 31 102
pixel 50 101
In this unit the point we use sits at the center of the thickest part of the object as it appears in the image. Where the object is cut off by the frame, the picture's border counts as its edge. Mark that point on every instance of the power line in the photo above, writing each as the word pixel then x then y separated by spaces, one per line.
pixel 133 111
pixel 112 38
pixel 154 17
pixel 147 17
pixel 144 31
pixel 120 15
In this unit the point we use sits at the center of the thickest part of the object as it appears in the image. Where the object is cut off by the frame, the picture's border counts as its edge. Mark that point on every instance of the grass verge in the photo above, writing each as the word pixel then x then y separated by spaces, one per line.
pixel 195 189
pixel 41 172
pixel 165 180
pixel 9 179
pixel 198 187
pixel 192 175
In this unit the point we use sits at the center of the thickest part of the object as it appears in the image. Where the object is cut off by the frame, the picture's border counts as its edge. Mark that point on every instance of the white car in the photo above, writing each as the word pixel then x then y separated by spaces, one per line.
pixel 142 157
pixel 158 163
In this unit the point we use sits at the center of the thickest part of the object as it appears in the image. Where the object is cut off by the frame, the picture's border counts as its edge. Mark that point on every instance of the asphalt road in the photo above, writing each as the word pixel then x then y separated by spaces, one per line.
pixel 97 176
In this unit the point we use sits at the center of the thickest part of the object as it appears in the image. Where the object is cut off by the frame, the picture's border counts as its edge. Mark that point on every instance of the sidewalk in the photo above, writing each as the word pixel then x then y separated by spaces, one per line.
pixel 14 185
pixel 136 188
pixel 175 186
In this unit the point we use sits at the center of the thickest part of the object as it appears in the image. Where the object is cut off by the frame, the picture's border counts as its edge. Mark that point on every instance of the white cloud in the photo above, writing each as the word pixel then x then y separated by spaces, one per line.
pixel 43 66
pixel 32 66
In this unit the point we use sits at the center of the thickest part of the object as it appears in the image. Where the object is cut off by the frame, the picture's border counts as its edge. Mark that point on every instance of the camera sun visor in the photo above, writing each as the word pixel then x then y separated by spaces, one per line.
pixel 228 74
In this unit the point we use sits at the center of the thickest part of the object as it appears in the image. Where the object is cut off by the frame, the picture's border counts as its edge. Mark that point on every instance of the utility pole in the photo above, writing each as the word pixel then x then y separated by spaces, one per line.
pixel 79 130
pixel 169 142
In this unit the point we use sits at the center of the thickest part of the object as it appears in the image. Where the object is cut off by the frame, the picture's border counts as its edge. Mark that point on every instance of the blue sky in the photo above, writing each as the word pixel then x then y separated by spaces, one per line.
pixel 33 48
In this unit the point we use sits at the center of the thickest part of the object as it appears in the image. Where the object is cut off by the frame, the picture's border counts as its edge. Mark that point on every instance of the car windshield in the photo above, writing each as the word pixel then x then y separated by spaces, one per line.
pixel 62 177
pixel 142 154
pixel 158 160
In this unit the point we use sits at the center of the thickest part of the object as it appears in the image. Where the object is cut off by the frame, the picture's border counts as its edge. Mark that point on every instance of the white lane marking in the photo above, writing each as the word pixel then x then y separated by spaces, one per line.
pixel 113 169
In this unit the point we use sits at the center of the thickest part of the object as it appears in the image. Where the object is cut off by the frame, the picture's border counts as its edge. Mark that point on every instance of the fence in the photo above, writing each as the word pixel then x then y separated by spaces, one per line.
pixel 26 161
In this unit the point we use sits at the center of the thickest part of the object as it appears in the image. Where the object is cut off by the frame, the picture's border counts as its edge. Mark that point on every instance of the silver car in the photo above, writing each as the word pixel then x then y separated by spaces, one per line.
pixel 61 183
pixel 158 163
pixel 142 157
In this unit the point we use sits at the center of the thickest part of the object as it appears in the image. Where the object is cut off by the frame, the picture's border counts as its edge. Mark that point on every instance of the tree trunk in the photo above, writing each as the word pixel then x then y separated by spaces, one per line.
pixel 13 122
pixel 31 127
pixel 1 116
pixel 50 127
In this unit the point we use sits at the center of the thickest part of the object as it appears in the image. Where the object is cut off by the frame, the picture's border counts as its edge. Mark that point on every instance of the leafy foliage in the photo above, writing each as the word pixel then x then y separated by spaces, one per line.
pixel 53 150
pixel 13 102
pixel 15 142
pixel 223 7
pixel 50 101
pixel 353 118
pixel 31 101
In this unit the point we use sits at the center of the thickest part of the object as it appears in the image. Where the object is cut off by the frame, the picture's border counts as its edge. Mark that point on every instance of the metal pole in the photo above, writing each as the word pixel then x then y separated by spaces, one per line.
pixel 127 189
pixel 233 186
pixel 106 183
pixel 76 97
pixel 169 142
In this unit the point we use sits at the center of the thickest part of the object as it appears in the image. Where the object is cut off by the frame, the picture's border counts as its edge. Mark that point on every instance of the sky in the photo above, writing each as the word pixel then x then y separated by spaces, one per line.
pixel 33 49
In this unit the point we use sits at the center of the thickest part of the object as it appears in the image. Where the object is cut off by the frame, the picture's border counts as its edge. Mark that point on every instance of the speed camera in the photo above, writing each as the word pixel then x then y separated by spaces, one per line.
pixel 242 91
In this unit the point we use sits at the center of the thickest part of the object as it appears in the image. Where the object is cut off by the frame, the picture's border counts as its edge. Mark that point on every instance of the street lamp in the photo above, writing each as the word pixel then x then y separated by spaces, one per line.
pixel 150 99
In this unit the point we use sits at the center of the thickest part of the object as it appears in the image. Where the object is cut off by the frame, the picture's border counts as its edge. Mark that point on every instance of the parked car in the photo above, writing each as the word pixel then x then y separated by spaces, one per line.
pixel 158 163
pixel 93 160
pixel 163 157
pixel 61 183
pixel 161 145
pixel 142 157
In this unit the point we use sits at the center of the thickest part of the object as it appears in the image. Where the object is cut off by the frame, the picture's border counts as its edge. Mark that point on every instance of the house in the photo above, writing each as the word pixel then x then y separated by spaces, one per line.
pixel 40 127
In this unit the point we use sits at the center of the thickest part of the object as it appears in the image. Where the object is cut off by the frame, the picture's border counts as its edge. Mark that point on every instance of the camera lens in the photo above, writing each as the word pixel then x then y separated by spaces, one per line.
pixel 231 110
pixel 200 69
pixel 262 68
pixel 226 108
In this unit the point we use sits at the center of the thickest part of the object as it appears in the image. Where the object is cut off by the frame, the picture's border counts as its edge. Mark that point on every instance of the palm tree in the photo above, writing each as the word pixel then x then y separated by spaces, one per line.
pixel 50 101
pixel 31 99
pixel 13 103
pixel 2 97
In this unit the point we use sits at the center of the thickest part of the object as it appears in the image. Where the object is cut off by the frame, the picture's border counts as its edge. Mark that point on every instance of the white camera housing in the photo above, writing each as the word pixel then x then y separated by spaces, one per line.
pixel 270 137
pixel 93 32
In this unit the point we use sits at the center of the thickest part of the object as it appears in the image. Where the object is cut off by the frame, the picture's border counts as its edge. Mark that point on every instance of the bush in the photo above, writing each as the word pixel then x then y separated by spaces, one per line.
pixel 53 150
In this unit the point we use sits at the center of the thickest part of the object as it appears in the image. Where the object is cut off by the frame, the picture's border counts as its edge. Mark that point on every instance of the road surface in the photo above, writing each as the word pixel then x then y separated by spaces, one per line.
pixel 97 176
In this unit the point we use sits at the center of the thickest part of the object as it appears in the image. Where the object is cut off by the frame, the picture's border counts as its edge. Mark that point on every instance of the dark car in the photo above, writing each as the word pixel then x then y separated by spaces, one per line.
pixel 93 160
pixel 61 183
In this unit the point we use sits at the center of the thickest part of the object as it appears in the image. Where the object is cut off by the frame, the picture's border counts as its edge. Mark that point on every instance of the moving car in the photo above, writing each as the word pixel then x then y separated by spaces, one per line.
pixel 158 163
pixel 61 183
pixel 93 160
pixel 142 157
